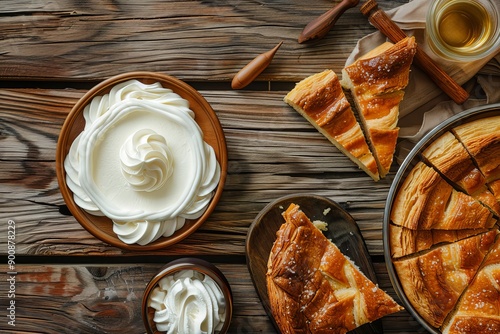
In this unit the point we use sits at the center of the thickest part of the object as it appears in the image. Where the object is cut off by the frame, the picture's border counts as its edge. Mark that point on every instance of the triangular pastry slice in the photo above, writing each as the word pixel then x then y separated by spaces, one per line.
pixel 450 158
pixel 404 241
pixel 434 281
pixel 478 310
pixel 377 82
pixel 481 138
pixel 320 99
pixel 426 201
pixel 313 287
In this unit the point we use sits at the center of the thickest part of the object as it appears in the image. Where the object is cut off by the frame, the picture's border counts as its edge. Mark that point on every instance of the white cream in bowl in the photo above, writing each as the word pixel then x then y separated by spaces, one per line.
pixel 188 302
pixel 141 161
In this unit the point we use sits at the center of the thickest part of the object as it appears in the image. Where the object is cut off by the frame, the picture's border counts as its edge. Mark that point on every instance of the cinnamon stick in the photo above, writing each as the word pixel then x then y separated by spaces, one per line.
pixel 382 22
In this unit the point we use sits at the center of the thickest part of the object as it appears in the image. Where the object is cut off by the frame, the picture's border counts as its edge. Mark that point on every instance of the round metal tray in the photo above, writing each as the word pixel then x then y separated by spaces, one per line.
pixel 409 162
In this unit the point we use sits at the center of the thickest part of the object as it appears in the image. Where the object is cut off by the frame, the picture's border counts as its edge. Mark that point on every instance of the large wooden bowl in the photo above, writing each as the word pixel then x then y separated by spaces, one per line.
pixel 102 227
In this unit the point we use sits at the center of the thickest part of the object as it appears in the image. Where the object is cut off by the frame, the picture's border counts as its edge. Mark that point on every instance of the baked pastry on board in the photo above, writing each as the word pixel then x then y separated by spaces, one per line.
pixel 478 310
pixel 377 82
pixel 433 281
pixel 313 287
pixel 320 99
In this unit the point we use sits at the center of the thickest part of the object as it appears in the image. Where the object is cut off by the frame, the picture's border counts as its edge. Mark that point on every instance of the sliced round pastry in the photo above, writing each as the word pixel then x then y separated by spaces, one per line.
pixel 450 158
pixel 482 139
pixel 427 201
pixel 377 82
pixel 313 287
pixel 320 99
pixel 433 281
pixel 404 241
pixel 478 310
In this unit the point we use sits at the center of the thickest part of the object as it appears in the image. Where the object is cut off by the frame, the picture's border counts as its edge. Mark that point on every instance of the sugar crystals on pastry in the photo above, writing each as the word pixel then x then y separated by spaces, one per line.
pixel 478 310
pixel 320 99
pixel 377 82
pixel 313 287
pixel 433 281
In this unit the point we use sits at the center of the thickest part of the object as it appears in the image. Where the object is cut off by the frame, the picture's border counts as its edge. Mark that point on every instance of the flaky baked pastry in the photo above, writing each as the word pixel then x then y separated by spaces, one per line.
pixel 444 221
pixel 482 139
pixel 450 158
pixel 426 201
pixel 313 287
pixel 434 281
pixel 478 310
pixel 320 99
pixel 404 241
pixel 377 82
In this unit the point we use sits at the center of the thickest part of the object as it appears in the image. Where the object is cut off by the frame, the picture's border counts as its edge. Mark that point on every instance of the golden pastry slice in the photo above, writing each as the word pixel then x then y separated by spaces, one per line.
pixel 377 82
pixel 450 158
pixel 320 99
pixel 426 201
pixel 481 138
pixel 478 310
pixel 434 281
pixel 313 287
pixel 404 241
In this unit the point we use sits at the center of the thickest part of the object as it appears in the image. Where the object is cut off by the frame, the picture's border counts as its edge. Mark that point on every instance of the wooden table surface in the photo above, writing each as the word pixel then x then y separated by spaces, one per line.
pixel 51 52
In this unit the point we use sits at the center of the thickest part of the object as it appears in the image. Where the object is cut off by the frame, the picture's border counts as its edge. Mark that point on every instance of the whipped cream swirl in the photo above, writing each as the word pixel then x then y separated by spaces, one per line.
pixel 146 160
pixel 188 302
pixel 142 162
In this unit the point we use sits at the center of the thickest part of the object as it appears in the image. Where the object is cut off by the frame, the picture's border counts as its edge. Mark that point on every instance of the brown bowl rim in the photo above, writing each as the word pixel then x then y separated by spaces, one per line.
pixel 63 144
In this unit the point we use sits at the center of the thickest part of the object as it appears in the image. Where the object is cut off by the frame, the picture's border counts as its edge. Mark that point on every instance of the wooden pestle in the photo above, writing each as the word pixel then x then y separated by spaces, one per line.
pixel 382 22
pixel 321 25
pixel 252 70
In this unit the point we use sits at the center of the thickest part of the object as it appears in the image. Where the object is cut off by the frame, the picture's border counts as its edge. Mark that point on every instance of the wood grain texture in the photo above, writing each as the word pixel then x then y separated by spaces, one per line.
pixel 272 151
pixel 107 299
pixel 194 40
pixel 64 47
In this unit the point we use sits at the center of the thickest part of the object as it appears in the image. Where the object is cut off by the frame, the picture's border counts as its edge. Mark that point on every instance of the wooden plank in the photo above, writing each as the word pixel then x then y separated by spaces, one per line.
pixel 272 152
pixel 107 298
pixel 194 40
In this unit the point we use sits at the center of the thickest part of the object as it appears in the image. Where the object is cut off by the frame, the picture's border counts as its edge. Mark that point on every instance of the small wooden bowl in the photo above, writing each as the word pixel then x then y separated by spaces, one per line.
pixel 102 227
pixel 202 266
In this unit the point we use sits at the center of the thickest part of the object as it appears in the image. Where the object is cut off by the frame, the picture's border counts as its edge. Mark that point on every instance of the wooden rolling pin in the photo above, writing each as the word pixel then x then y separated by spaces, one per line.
pixel 382 22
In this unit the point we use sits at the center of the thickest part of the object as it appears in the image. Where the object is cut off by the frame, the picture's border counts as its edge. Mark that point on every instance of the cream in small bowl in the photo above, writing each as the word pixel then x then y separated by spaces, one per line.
pixel 188 296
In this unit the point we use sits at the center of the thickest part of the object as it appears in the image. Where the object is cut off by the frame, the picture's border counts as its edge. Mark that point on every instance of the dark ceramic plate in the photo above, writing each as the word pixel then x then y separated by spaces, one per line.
pixel 410 161
pixel 342 230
